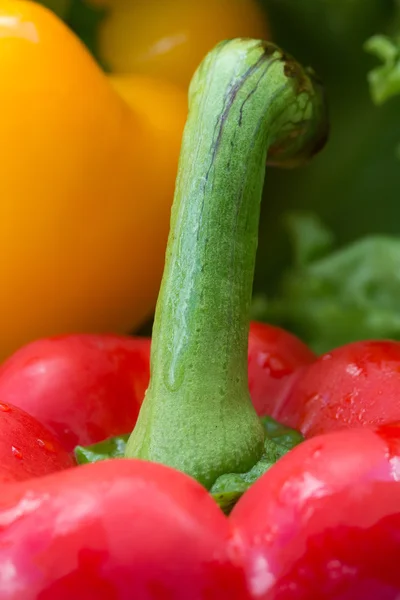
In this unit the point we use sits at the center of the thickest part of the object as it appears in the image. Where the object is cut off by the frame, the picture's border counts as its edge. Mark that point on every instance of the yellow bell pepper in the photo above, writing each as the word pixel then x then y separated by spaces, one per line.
pixel 168 38
pixel 87 171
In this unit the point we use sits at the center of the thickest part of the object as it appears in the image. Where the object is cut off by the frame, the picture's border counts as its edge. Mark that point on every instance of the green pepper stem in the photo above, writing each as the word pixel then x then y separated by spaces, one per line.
pixel 197 416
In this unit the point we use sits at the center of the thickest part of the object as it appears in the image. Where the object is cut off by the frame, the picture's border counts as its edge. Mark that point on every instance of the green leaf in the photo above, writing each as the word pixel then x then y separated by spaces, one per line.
pixel 228 488
pixel 111 448
pixel 384 80
pixel 351 294
pixel 309 236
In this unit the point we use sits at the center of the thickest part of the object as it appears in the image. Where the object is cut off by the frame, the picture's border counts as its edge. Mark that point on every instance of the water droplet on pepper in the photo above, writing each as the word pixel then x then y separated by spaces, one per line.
pixel 49 446
pixel 17 453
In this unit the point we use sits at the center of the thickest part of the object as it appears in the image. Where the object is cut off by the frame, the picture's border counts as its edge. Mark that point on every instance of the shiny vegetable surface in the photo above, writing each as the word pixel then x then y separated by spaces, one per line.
pixel 115 530
pixel 87 169
pixel 84 388
pixel 168 38
pixel 87 388
pixel 353 386
pixel 27 448
pixel 325 521
pixel 275 358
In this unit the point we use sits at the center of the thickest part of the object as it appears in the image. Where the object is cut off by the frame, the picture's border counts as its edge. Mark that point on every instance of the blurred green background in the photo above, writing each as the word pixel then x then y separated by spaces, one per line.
pixel 354 184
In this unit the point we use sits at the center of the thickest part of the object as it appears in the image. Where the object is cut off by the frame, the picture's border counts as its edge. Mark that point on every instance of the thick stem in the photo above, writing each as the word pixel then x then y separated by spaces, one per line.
pixel 197 416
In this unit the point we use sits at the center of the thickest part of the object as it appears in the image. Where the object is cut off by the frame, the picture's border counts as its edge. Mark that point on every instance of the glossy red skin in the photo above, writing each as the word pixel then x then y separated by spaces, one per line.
pixel 27 448
pixel 352 386
pixel 274 359
pixel 84 388
pixel 115 530
pixel 324 522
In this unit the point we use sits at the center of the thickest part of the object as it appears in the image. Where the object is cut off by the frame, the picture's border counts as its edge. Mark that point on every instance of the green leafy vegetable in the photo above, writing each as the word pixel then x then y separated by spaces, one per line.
pixel 348 294
pixel 384 80
pixel 310 238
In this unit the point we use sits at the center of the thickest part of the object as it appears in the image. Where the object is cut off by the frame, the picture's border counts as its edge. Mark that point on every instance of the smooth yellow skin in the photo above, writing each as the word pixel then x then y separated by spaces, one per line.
pixel 87 173
pixel 169 38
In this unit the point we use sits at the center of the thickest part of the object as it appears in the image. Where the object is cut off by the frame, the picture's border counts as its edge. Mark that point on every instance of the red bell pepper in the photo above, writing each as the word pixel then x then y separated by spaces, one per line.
pixel 128 529
pixel 275 361
pixel 87 388
pixel 84 388
pixel 115 530
pixel 352 386
pixel 324 522
pixel 27 448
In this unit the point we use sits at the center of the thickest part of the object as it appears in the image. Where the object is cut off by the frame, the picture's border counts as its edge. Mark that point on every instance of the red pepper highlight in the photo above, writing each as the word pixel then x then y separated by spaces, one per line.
pixel 84 388
pixel 87 388
pixel 355 385
pixel 27 448
pixel 324 523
